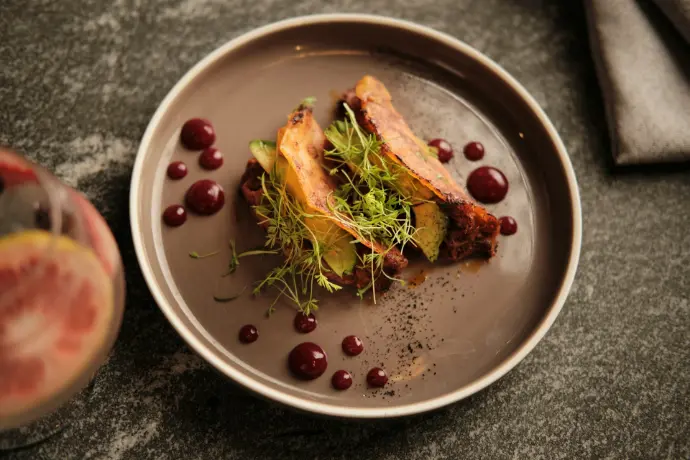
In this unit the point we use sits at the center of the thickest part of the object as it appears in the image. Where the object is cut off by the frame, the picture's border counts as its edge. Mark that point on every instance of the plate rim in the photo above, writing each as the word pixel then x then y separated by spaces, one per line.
pixel 318 407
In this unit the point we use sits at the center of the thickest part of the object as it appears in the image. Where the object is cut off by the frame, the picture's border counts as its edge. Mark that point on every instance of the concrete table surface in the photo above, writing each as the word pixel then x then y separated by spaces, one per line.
pixel 79 81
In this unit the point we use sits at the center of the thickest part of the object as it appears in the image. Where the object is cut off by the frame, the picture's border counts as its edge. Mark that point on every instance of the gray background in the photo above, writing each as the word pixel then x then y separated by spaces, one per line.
pixel 79 81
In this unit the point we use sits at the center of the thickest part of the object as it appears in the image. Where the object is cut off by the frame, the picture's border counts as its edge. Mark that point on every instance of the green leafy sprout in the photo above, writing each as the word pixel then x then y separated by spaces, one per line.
pixel 303 266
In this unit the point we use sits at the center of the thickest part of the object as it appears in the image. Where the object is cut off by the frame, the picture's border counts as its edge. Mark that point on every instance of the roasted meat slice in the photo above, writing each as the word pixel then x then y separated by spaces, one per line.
pixel 472 230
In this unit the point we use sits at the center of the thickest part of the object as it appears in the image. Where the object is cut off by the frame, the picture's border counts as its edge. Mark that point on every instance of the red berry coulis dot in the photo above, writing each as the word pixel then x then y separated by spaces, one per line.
pixel 377 377
pixel 197 134
pixel 305 323
pixel 352 345
pixel 444 149
pixel 248 333
pixel 474 151
pixel 177 170
pixel 174 215
pixel 205 197
pixel 211 159
pixel 508 225
pixel 487 184
pixel 307 361
pixel 341 380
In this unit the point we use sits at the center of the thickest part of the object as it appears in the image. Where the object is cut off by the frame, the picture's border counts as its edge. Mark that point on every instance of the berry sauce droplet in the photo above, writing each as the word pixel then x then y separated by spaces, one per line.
pixel 211 159
pixel 444 149
pixel 377 377
pixel 474 151
pixel 305 323
pixel 487 184
pixel 508 225
pixel 248 333
pixel 307 361
pixel 174 215
pixel 197 134
pixel 352 345
pixel 341 380
pixel 177 170
pixel 205 197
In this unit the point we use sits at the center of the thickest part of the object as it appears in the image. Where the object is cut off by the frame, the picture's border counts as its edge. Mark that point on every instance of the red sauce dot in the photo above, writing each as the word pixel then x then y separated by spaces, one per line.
pixel 177 170
pixel 205 197
pixel 444 149
pixel 307 361
pixel 377 377
pixel 305 323
pixel 174 215
pixel 341 380
pixel 487 184
pixel 352 345
pixel 248 334
pixel 508 225
pixel 211 159
pixel 474 151
pixel 197 134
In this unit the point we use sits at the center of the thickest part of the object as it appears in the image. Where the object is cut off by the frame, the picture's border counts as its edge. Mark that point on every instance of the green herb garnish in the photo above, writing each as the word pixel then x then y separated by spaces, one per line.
pixel 372 196
pixel 231 298
pixel 195 255
pixel 303 266
pixel 235 258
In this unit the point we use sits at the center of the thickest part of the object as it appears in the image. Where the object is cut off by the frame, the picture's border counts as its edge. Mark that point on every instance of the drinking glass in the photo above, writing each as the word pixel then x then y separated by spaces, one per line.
pixel 61 300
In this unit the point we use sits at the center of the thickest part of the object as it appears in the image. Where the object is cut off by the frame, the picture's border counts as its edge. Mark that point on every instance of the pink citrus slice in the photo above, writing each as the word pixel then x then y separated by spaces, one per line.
pixel 56 306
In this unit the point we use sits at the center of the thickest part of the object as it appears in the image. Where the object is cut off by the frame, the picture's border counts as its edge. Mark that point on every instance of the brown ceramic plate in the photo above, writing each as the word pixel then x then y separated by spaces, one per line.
pixel 467 324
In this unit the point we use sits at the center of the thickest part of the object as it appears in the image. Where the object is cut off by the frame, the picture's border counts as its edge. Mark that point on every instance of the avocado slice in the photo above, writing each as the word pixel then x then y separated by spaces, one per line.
pixel 432 226
pixel 264 152
pixel 340 252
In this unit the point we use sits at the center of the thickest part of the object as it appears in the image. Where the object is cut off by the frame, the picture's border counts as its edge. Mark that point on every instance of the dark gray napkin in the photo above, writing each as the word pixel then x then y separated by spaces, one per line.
pixel 642 55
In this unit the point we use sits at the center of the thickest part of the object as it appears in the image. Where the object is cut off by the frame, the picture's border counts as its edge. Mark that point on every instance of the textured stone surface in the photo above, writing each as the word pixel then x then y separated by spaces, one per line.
pixel 78 83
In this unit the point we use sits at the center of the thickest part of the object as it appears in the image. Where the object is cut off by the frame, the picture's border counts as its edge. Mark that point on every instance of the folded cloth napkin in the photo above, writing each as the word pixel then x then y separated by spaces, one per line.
pixel 642 55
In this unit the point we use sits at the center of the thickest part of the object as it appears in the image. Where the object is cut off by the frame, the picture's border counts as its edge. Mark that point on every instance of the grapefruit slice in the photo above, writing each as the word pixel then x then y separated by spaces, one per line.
pixel 56 306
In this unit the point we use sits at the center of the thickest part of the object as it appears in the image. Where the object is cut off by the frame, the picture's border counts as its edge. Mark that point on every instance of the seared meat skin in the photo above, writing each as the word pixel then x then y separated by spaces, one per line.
pixel 473 230
pixel 394 261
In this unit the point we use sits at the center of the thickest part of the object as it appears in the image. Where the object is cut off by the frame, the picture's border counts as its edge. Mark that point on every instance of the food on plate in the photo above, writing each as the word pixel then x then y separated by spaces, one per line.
pixel 295 199
pixel 346 204
pixel 454 226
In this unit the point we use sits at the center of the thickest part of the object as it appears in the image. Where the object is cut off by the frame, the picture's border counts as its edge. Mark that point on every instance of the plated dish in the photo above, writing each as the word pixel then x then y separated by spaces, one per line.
pixel 357 253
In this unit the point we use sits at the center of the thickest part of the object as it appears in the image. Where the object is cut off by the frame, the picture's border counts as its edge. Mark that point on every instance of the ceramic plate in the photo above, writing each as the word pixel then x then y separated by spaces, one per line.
pixel 461 329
